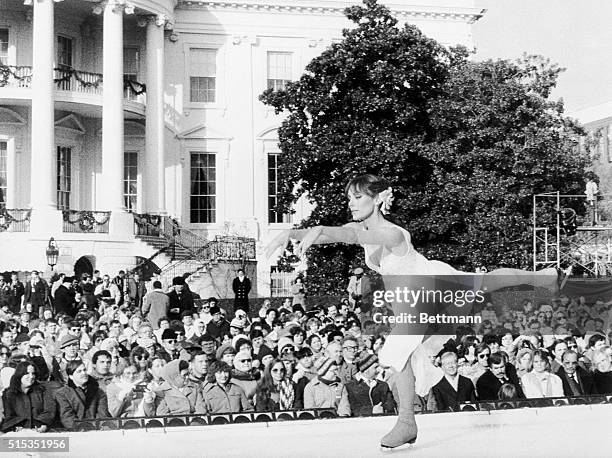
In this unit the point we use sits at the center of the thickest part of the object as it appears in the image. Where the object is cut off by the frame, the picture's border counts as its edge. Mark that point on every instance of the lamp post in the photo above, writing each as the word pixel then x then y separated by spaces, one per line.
pixel 52 253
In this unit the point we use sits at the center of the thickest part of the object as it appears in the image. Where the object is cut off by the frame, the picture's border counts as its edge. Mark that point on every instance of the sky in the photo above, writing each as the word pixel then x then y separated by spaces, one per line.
pixel 576 34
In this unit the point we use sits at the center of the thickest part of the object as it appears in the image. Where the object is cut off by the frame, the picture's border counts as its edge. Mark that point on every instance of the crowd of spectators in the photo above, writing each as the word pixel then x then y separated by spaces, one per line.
pixel 97 347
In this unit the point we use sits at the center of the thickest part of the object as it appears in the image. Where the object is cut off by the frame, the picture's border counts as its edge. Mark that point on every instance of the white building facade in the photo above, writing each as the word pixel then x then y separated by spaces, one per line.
pixel 110 110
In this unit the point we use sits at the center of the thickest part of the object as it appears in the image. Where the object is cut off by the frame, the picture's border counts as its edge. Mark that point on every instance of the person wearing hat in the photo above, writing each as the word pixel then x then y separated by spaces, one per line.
pixel 326 389
pixel 226 353
pixel 244 375
pixel 170 349
pixel 181 299
pixel 218 327
pixel 360 290
pixel 69 347
pixel 241 287
pixel 365 395
pixel 236 327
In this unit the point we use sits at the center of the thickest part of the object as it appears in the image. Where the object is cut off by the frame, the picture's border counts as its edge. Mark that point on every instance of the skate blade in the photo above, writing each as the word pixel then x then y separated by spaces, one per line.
pixel 407 446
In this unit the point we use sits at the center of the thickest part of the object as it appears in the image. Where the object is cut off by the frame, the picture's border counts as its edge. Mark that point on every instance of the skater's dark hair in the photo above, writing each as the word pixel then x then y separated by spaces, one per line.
pixel 368 184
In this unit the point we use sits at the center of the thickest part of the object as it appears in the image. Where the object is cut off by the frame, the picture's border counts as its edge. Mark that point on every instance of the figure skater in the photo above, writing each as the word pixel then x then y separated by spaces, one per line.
pixel 389 251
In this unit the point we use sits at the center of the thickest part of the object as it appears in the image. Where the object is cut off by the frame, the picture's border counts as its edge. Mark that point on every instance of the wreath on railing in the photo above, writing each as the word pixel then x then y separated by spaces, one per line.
pixel 6 219
pixel 8 71
pixel 134 86
pixel 68 73
pixel 86 220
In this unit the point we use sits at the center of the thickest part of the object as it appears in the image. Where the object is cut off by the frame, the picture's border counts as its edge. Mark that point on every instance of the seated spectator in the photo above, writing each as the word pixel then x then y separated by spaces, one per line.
pixel 153 375
pixel 305 365
pixel 507 392
pixel 139 357
pixel 524 361
pixel 221 395
pixel 244 375
pixel 276 391
pixel 169 350
pixel 453 389
pixel 218 327
pixel 198 369
pixel 208 346
pixel 69 346
pixel 540 382
pixel 81 397
pixel 27 404
pixel 602 375
pixel 324 391
pixel 125 395
pixel 490 382
pixel 101 369
pixel 365 395
pixel 575 379
pixel 348 368
pixel 226 353
pixel 476 370
pixel 175 396
pixel 556 350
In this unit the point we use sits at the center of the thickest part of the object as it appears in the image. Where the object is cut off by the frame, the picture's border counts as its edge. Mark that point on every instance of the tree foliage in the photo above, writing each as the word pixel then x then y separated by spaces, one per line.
pixel 465 144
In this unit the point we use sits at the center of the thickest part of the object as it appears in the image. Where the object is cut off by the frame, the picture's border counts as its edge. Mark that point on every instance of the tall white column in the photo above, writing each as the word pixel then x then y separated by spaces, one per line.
pixel 155 190
pixel 43 176
pixel 112 107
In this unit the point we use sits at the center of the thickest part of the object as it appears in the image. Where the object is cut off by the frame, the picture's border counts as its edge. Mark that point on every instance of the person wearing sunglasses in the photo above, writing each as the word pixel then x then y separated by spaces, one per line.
pixel 139 358
pixel 245 375
pixel 276 391
pixel 221 395
pixel 169 345
pixel 5 354
pixel 481 365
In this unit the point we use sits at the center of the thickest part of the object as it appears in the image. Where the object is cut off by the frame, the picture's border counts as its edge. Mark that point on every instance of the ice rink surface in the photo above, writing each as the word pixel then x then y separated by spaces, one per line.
pixel 571 431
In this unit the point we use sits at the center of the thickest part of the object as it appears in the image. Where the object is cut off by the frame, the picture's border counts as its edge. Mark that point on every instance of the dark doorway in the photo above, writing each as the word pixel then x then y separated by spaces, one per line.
pixel 84 265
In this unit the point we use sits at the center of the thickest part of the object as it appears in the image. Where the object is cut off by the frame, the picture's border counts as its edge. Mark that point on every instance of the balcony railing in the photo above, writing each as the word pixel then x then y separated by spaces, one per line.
pixel 86 221
pixel 15 220
pixel 69 79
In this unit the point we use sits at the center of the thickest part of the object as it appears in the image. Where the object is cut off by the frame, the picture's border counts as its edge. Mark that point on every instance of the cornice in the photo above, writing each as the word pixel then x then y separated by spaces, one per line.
pixel 414 12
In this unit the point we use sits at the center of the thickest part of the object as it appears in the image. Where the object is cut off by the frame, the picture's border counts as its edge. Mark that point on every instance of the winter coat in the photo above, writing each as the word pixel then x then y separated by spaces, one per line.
pixel 230 398
pixel 76 404
pixel 247 381
pixel 359 398
pixel 28 410
pixel 321 395
pixel 155 305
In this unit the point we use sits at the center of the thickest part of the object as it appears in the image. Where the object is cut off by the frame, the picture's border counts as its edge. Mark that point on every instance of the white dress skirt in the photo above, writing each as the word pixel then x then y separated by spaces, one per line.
pixel 400 345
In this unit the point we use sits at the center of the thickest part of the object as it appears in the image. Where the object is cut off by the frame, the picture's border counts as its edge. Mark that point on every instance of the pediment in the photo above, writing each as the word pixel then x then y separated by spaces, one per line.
pixel 8 116
pixel 203 132
pixel 271 133
pixel 71 122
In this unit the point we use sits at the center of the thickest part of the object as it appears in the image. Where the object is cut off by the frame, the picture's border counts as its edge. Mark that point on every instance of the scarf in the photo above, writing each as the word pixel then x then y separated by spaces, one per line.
pixel 286 395
pixel 329 382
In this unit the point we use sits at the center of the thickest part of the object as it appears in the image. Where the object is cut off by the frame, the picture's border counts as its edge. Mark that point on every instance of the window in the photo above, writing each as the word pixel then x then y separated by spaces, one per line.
pixel 63 177
pixel 130 69
pixel 4 44
pixel 64 62
pixel 130 180
pixel 203 188
pixel 273 215
pixel 203 72
pixel 279 69
pixel 3 173
pixel 281 282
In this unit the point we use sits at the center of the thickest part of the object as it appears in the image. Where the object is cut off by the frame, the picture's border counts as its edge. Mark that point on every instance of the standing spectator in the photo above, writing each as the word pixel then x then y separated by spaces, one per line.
pixel 175 396
pixel 221 395
pixel 575 379
pixel 81 397
pixel 181 299
pixel 241 287
pixel 276 391
pixel 36 292
pixel 120 281
pixel 360 290
pixel 17 291
pixel 27 404
pixel 453 389
pixel 365 395
pixel 324 391
pixel 490 382
pixel 155 305
pixel 65 298
pixel 136 290
pixel 298 290
pixel 114 294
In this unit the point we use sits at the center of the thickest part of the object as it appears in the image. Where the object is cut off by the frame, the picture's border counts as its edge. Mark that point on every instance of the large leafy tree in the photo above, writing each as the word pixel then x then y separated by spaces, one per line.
pixel 465 144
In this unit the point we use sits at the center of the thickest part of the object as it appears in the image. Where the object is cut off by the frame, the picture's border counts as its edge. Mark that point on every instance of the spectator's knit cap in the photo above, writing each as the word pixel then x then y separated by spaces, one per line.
pixel 323 364
pixel 264 351
pixel 283 343
pixel 239 340
pixel 236 323
pixel 178 281
pixel 168 334
pixel 214 309
pixel 37 341
pixel 68 340
pixel 358 271
pixel 21 338
pixel 366 361
pixel 225 349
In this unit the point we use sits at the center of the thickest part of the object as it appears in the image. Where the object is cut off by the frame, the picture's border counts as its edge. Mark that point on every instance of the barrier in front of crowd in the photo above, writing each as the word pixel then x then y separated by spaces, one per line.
pixel 106 424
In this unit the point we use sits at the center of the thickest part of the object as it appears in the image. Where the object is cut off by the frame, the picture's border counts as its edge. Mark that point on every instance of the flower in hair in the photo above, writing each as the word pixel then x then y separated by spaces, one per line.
pixel 386 199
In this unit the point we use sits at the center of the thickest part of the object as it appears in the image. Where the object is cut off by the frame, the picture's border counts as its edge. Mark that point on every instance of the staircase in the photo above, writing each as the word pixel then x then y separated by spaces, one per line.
pixel 174 251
